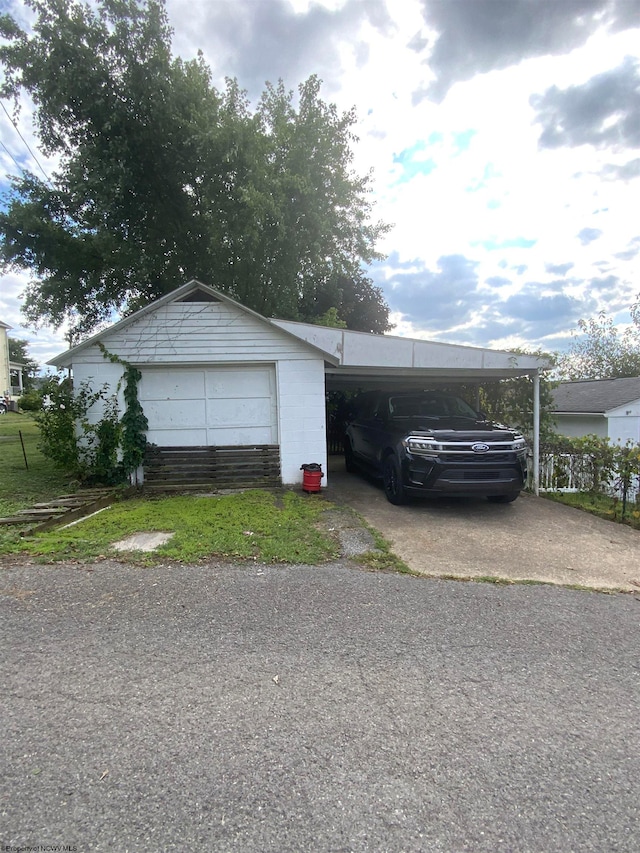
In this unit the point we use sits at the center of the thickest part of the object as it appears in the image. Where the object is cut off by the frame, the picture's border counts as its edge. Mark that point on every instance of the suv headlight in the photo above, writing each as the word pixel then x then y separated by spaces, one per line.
pixel 519 443
pixel 422 446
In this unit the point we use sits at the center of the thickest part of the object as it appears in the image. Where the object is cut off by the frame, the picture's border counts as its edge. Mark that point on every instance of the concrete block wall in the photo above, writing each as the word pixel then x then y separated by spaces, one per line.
pixel 301 417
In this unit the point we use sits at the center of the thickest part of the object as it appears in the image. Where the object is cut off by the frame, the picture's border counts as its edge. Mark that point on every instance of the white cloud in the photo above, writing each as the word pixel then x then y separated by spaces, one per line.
pixel 464 179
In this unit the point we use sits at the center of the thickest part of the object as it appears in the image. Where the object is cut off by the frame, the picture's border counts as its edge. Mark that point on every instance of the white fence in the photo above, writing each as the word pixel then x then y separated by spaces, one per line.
pixel 575 472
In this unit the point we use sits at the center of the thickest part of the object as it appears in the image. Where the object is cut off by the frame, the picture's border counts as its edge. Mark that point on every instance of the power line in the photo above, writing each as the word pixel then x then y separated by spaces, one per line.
pixel 17 129
pixel 11 155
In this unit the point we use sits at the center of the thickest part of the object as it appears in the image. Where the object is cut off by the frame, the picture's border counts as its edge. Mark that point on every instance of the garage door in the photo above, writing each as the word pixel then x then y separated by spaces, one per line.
pixel 193 407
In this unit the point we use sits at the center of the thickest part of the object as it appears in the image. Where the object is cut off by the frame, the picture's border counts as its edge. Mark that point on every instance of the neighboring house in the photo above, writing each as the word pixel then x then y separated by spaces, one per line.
pixel 5 373
pixel 216 374
pixel 608 408
pixel 11 382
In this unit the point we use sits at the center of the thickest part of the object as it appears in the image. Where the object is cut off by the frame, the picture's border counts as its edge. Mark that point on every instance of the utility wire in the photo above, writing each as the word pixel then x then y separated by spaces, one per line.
pixel 11 155
pixel 17 129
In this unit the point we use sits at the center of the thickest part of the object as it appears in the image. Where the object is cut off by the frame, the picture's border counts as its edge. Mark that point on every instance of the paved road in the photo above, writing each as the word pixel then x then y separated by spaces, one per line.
pixel 258 708
pixel 531 539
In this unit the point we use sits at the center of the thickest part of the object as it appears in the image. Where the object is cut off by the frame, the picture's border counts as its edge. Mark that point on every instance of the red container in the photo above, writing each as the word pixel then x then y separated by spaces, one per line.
pixel 311 477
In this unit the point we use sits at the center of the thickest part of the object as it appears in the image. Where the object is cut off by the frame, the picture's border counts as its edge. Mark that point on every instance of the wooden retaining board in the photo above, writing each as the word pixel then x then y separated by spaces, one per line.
pixel 225 467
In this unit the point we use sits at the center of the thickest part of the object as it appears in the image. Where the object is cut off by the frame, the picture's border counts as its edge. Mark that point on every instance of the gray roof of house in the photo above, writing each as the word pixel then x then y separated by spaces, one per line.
pixel 595 395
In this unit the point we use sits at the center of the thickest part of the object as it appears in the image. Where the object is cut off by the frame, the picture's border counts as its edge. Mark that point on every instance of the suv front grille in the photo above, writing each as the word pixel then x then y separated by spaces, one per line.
pixel 465 447
pixel 465 456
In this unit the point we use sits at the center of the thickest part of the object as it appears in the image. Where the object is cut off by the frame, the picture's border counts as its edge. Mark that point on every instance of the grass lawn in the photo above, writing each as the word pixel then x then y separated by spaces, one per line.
pixel 601 505
pixel 21 487
pixel 256 524
pixel 270 526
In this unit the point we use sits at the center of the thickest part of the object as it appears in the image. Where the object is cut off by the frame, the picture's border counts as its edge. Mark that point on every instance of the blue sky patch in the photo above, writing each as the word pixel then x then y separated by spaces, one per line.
pixel 513 243
pixel 412 163
pixel 462 141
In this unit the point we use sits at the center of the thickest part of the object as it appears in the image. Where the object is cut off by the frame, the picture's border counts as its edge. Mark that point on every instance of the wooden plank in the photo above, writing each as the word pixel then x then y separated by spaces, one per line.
pixel 74 514
pixel 228 466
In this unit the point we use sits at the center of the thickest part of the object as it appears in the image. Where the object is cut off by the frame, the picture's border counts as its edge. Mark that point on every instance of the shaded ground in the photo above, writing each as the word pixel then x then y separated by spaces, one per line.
pixel 260 708
pixel 530 539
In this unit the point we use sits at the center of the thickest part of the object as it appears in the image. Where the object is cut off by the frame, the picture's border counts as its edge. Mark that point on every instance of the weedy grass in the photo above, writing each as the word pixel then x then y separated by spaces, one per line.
pixel 22 486
pixel 256 524
pixel 382 558
pixel 603 506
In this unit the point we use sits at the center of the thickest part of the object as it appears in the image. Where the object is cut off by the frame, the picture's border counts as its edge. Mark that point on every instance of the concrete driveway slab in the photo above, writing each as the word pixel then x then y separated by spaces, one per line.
pixel 531 539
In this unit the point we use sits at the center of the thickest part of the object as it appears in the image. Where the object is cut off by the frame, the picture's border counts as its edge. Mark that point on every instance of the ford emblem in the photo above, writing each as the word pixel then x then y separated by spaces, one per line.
pixel 480 447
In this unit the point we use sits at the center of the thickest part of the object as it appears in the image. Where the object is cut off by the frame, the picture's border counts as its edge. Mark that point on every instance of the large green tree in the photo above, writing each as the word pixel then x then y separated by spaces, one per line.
pixel 163 178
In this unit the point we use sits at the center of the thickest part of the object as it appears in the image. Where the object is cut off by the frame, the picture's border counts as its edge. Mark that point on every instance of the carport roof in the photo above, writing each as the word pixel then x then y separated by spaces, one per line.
pixel 361 358
pixel 380 360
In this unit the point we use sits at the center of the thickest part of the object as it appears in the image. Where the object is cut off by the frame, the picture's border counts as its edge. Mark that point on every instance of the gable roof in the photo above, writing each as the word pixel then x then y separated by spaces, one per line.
pixel 180 294
pixel 595 395
pixel 354 356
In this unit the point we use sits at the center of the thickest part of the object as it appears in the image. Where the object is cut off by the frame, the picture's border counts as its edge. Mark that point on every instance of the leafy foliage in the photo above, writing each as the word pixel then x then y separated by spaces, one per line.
pixel 602 352
pixel 88 451
pixel 163 178
pixel 30 401
pixel 612 468
pixel 355 300
pixel 597 453
pixel 331 319
pixel 134 424
pixel 510 401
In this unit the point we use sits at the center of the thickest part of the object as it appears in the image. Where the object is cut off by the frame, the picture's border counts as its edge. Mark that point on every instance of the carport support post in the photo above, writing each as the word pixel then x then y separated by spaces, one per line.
pixel 536 432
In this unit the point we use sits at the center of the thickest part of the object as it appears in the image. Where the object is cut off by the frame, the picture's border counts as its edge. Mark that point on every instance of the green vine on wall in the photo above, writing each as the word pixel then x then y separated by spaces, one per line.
pixel 134 421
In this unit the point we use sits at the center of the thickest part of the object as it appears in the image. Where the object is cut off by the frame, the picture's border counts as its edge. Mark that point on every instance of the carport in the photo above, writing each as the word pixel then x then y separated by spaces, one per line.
pixel 366 361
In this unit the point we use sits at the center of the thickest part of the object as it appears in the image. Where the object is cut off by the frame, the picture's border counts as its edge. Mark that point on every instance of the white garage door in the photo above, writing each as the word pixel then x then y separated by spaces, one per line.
pixel 192 406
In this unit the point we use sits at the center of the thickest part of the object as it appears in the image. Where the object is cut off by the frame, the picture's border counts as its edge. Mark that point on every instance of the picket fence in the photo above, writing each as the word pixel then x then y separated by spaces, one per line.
pixel 574 472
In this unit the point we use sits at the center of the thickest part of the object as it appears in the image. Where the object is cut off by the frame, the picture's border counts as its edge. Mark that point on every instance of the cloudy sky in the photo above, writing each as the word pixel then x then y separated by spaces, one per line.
pixel 504 136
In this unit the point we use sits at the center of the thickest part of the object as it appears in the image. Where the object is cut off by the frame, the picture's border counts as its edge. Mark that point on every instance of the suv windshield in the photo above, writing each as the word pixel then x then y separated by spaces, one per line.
pixel 431 406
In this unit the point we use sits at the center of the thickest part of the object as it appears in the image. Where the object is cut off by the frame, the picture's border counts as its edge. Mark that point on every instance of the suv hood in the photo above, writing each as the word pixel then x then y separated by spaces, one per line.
pixel 457 429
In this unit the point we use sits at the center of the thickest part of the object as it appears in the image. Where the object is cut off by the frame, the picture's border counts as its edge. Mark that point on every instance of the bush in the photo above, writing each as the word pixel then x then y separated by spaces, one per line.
pixel 611 469
pixel 31 401
pixel 89 451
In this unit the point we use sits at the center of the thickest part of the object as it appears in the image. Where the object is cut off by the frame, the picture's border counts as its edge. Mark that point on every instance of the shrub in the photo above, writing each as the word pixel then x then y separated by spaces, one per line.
pixel 87 450
pixel 31 401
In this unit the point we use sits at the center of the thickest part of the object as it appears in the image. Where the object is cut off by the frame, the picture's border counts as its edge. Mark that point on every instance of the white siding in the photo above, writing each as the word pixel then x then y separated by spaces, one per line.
pixel 5 376
pixel 575 426
pixel 624 428
pixel 197 333
pixel 194 354
pixel 97 376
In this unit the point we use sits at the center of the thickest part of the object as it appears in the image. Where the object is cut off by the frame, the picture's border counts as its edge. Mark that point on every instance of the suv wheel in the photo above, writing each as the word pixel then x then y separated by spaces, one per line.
pixel 349 462
pixel 503 499
pixel 392 481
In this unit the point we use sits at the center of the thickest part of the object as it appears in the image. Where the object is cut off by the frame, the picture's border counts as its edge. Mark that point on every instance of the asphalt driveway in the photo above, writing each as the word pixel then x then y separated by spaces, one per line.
pixel 261 708
pixel 530 539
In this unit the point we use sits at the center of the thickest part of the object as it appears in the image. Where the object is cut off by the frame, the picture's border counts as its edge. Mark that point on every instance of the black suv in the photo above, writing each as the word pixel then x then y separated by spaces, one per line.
pixel 433 443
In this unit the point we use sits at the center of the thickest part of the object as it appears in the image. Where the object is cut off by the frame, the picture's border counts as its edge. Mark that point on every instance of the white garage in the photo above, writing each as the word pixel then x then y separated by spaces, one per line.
pixel 222 386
